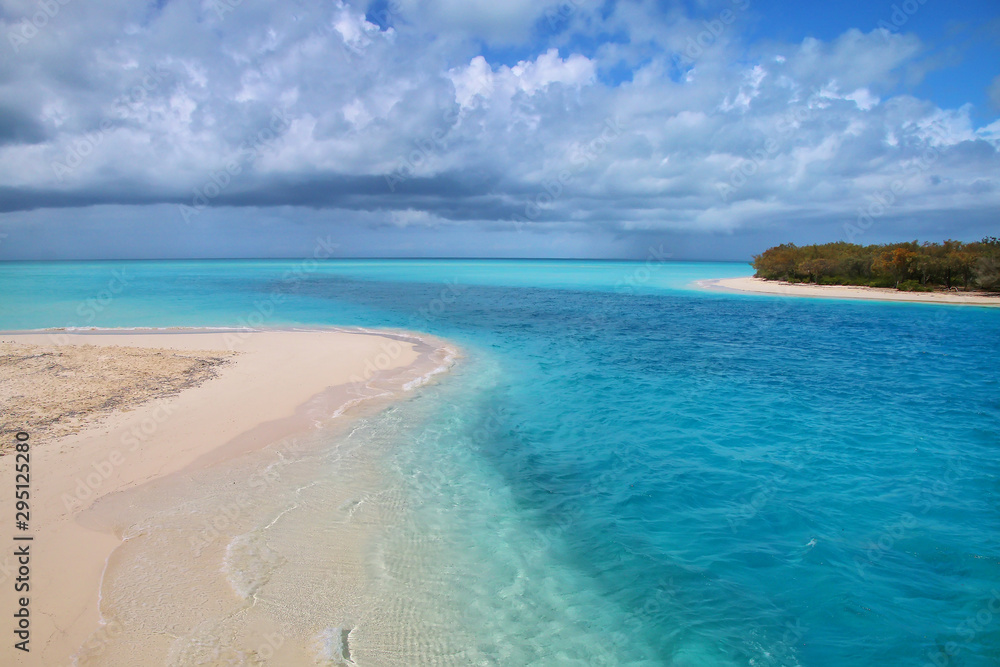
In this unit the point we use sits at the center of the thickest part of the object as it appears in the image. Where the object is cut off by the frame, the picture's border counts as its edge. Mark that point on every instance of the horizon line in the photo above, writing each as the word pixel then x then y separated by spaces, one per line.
pixel 327 259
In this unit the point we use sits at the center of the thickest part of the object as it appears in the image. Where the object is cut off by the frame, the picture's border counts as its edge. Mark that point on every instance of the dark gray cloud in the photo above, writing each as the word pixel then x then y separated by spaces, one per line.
pixel 19 127
pixel 231 109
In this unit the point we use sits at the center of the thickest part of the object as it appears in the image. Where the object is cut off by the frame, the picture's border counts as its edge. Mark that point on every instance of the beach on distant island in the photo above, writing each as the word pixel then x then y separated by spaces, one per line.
pixel 621 469
pixel 753 285
pixel 120 423
pixel 389 333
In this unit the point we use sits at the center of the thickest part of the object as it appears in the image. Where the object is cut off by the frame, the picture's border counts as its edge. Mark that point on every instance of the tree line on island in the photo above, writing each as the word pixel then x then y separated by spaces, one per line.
pixel 910 266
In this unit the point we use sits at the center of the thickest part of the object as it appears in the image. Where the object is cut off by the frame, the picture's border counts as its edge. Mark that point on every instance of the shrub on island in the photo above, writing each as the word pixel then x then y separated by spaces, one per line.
pixel 910 266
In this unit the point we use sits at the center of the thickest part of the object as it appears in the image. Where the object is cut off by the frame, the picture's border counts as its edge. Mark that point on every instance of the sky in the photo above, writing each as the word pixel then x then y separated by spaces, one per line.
pixel 709 130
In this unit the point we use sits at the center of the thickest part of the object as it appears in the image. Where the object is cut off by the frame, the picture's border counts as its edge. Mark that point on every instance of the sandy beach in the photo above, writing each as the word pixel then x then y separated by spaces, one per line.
pixel 761 286
pixel 125 411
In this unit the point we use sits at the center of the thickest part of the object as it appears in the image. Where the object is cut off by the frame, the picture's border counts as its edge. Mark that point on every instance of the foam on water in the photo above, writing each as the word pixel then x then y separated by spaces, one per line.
pixel 249 562
pixel 332 647
pixel 657 476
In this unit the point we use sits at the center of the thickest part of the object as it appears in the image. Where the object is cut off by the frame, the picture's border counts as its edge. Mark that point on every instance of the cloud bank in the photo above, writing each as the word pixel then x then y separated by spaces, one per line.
pixel 616 121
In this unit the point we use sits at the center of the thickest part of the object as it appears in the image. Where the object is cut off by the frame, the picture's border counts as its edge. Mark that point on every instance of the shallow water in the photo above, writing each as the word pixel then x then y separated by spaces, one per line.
pixel 623 470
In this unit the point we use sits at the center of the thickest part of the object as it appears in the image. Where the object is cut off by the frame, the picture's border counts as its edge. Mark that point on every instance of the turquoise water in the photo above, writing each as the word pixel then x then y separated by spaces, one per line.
pixel 629 470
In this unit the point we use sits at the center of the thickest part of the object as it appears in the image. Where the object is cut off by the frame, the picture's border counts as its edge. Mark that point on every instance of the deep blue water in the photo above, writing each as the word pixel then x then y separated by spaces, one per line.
pixel 722 479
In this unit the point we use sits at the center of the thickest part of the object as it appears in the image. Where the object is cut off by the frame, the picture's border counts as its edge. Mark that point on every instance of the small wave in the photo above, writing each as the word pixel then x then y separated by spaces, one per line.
pixel 353 402
pixel 112 330
pixel 333 648
pixel 449 359
pixel 249 563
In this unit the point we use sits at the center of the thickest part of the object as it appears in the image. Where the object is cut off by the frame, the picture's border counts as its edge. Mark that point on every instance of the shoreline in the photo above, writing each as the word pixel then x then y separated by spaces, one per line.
pixel 752 285
pixel 280 385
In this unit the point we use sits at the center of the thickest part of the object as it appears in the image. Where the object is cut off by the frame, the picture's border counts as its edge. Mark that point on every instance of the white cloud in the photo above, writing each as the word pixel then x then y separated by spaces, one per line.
pixel 812 127
pixel 549 68
pixel 994 93
pixel 475 80
pixel 863 98
pixel 990 133
pixel 478 80
pixel 750 89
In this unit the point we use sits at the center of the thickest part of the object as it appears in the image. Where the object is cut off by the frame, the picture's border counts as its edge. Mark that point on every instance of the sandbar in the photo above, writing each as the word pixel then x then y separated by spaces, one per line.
pixel 225 394
pixel 780 288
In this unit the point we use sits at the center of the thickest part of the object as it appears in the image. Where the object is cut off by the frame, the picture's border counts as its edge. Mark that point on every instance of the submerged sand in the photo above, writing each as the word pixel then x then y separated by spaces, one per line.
pixel 761 286
pixel 129 562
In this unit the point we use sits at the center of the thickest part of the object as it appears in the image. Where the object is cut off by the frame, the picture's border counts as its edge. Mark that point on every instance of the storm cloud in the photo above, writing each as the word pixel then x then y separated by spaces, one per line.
pixel 499 124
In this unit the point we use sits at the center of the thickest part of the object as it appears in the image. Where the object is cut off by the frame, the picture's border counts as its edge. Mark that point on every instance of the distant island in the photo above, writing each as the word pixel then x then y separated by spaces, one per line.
pixel 909 267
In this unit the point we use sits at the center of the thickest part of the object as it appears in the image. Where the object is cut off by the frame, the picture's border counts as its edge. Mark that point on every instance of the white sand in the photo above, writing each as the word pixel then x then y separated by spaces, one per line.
pixel 761 286
pixel 279 383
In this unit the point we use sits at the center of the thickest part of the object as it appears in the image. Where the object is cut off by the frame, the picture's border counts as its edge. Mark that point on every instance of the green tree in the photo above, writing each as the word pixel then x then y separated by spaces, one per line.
pixel 987 272
pixel 895 262
pixel 932 264
pixel 817 269
pixel 777 263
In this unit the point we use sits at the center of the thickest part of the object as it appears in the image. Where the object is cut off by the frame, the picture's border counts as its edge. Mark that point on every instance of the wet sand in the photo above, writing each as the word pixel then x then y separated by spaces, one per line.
pixel 154 420
pixel 781 288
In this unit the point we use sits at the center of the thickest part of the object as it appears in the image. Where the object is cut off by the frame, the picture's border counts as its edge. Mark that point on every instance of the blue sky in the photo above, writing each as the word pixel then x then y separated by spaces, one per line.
pixel 965 36
pixel 578 128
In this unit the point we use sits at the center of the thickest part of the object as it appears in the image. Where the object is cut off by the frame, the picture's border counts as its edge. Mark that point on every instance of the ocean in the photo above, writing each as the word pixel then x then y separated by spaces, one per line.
pixel 622 469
